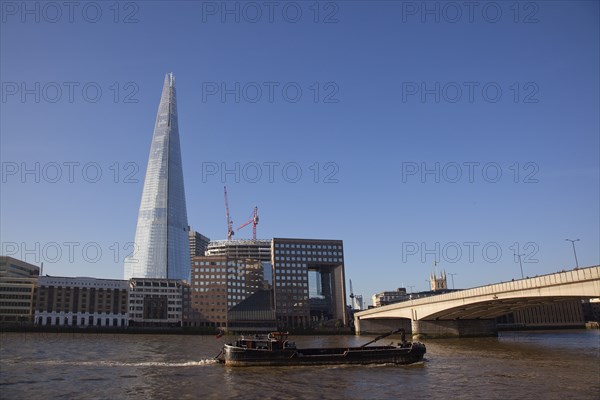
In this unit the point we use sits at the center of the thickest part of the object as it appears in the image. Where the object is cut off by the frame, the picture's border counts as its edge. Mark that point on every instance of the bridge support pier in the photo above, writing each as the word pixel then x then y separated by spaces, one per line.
pixel 380 325
pixel 454 328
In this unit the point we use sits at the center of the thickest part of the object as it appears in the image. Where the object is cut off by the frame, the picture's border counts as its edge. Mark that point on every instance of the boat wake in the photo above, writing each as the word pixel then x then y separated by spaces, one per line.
pixel 205 362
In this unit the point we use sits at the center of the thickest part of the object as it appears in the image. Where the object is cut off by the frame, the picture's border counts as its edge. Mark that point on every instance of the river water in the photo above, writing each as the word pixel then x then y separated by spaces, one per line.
pixel 515 365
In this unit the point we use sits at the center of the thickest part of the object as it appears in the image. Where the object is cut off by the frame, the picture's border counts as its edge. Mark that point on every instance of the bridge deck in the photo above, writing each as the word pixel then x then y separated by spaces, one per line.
pixel 490 301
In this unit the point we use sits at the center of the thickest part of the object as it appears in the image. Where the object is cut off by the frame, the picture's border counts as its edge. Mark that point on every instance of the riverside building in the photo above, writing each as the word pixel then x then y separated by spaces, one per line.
pixel 220 283
pixel 158 302
pixel 309 282
pixel 18 280
pixel 306 277
pixel 81 302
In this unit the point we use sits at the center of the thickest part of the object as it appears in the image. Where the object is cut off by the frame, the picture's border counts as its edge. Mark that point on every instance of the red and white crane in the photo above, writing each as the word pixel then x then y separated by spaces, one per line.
pixel 253 220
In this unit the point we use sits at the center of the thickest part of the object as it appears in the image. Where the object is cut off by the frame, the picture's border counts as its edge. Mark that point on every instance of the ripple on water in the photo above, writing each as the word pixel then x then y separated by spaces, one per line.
pixel 532 364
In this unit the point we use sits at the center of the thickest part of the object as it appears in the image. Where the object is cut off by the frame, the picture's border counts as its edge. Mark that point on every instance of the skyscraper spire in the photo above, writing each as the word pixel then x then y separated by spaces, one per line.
pixel 161 247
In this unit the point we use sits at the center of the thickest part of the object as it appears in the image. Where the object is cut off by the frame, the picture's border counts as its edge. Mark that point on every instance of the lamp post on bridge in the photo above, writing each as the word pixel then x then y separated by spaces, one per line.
pixel 452 276
pixel 574 252
pixel 520 264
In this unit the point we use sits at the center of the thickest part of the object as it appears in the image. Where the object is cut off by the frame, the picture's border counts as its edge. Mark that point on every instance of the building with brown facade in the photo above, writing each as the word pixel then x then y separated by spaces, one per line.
pixel 306 277
pixel 219 283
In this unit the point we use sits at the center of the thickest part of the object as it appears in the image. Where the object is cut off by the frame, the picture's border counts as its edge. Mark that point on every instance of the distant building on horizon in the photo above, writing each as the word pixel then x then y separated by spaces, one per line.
pixel 437 283
pixel 389 297
pixel 162 248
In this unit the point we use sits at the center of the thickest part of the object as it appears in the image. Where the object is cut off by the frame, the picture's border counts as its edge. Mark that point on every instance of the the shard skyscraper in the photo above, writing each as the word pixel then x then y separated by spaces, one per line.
pixel 161 247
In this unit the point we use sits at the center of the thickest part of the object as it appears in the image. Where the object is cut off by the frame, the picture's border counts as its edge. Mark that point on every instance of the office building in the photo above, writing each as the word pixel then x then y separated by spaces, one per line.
pixel 198 243
pixel 220 283
pixel 18 281
pixel 161 237
pixel 158 302
pixel 309 282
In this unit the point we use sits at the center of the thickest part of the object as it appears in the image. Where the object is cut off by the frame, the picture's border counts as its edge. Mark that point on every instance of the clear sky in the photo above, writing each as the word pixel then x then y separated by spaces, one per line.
pixel 462 132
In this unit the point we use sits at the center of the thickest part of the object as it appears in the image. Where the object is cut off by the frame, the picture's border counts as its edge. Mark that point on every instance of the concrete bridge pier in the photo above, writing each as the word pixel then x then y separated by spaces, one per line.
pixel 380 325
pixel 438 329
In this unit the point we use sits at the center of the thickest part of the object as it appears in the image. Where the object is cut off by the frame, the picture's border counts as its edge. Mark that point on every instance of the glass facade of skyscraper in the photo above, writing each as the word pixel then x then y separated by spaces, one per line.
pixel 161 247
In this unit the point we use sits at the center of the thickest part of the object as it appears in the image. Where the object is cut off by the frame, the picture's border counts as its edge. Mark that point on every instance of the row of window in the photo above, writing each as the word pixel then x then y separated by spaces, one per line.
pixel 207 304
pixel 139 308
pixel 290 278
pixel 141 316
pixel 16 311
pixel 220 263
pixel 289 293
pixel 142 302
pixel 98 289
pixel 314 259
pixel 27 289
pixel 310 253
pixel 291 265
pixel 210 289
pixel 238 269
pixel 83 321
pixel 169 296
pixel 233 277
pixel 15 304
pixel 16 296
pixel 288 286
pixel 292 272
pixel 308 246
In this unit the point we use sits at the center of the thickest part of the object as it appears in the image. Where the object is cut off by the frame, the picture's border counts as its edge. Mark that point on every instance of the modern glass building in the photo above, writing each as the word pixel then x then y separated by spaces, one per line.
pixel 161 238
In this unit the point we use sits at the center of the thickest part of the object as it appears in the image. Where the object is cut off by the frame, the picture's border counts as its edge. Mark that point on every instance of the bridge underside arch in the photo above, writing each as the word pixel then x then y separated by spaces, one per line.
pixel 491 309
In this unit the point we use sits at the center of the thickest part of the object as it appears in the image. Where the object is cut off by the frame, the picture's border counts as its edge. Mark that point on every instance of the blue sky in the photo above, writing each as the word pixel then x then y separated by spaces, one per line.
pixel 371 95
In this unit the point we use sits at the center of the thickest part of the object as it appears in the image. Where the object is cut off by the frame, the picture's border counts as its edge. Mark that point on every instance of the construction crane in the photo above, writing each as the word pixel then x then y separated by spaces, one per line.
pixel 230 231
pixel 253 220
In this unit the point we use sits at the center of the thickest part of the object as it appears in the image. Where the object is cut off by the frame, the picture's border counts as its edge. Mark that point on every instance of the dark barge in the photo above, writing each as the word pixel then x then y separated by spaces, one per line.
pixel 275 349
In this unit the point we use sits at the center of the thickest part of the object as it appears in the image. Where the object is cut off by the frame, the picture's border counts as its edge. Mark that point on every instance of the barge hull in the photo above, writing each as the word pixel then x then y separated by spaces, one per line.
pixel 235 356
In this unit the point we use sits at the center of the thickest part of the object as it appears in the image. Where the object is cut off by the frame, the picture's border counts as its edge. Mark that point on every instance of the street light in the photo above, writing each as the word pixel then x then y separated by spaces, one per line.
pixel 520 264
pixel 574 252
pixel 452 276
pixel 411 288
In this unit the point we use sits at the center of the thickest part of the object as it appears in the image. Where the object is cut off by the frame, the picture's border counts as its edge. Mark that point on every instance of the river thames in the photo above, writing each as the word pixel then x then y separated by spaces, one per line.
pixel 515 365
